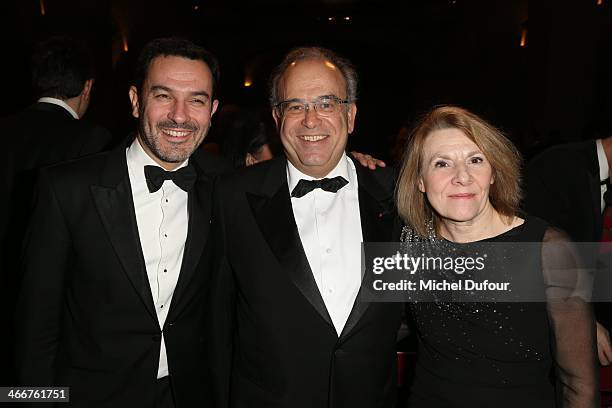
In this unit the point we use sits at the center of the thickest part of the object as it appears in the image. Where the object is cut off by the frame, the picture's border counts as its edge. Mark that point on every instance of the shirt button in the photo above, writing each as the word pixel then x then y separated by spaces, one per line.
pixel 328 250
pixel 165 270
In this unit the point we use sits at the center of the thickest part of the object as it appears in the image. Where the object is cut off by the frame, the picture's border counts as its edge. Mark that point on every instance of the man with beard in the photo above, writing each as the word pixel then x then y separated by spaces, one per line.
pixel 111 305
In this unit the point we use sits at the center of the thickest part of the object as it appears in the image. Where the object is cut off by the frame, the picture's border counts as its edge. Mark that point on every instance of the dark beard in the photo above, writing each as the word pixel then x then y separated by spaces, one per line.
pixel 148 138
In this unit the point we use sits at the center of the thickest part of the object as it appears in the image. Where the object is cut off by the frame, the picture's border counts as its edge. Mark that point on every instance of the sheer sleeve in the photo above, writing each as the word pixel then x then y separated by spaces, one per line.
pixel 569 284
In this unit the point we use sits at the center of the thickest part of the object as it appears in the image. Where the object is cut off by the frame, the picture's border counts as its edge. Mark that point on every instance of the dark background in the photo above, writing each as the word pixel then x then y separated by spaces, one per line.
pixel 410 55
pixel 539 70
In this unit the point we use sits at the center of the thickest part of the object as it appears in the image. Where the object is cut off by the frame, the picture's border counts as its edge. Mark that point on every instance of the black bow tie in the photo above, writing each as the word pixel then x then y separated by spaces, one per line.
pixel 184 177
pixel 332 185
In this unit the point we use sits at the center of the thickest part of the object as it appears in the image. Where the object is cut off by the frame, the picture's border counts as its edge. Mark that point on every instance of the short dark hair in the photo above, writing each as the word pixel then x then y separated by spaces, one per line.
pixel 174 47
pixel 60 67
pixel 347 69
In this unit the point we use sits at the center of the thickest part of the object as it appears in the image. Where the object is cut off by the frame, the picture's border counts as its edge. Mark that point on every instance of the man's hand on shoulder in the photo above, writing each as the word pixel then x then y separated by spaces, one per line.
pixel 368 161
pixel 604 350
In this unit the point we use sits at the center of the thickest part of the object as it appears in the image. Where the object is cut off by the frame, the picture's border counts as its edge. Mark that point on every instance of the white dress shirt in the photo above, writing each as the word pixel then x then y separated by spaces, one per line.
pixel 59 102
pixel 162 219
pixel 604 170
pixel 329 225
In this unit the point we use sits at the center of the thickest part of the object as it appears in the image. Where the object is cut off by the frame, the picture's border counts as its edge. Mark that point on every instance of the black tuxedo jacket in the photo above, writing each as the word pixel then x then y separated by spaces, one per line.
pixel 86 317
pixel 274 343
pixel 562 187
pixel 40 135
pixel 46 134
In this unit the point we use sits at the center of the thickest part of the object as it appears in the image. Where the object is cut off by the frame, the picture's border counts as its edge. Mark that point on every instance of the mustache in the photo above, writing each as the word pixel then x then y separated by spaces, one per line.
pixel 170 125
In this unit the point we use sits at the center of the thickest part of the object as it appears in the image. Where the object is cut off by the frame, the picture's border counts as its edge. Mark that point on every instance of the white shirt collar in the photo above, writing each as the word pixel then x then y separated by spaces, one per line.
pixel 604 169
pixel 341 169
pixel 59 102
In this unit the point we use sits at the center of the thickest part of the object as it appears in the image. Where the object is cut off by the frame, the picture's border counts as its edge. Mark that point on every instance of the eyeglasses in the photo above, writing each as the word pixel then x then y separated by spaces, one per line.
pixel 324 106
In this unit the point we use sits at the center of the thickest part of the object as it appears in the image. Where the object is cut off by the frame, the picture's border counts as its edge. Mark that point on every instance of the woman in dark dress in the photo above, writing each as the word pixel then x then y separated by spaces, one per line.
pixel 459 184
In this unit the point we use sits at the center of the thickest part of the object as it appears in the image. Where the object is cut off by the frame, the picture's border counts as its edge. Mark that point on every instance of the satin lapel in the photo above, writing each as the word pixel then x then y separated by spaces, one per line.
pixel 199 205
pixel 377 218
pixel 116 208
pixel 274 216
pixel 588 152
pixel 595 187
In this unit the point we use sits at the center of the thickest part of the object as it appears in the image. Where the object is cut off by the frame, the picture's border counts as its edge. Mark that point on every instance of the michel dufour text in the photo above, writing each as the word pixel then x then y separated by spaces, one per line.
pixel 411 265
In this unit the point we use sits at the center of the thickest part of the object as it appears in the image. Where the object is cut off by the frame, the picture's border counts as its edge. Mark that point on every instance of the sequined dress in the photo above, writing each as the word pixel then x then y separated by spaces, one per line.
pixel 499 354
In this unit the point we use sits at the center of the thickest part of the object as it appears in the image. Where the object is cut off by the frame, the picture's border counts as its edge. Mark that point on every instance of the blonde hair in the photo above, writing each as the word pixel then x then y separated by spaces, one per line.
pixel 505 160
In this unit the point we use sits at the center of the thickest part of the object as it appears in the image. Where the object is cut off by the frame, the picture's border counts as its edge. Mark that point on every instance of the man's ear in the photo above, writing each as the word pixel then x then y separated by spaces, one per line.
pixel 133 92
pixel 351 113
pixel 86 92
pixel 277 119
pixel 215 105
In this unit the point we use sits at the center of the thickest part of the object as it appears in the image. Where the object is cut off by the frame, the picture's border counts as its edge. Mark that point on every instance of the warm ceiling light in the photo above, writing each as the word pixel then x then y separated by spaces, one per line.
pixel 600 2
pixel 42 7
pixel 523 42
pixel 196 8
pixel 125 43
pixel 248 78
pixel 347 18
pixel 330 19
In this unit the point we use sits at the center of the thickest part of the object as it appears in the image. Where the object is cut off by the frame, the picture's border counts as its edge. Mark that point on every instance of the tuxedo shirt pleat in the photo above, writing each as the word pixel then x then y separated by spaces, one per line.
pixel 329 226
pixel 162 219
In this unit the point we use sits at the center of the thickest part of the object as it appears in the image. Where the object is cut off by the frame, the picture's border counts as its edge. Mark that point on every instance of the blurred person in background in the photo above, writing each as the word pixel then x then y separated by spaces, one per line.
pixel 51 130
pixel 566 185
pixel 249 138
